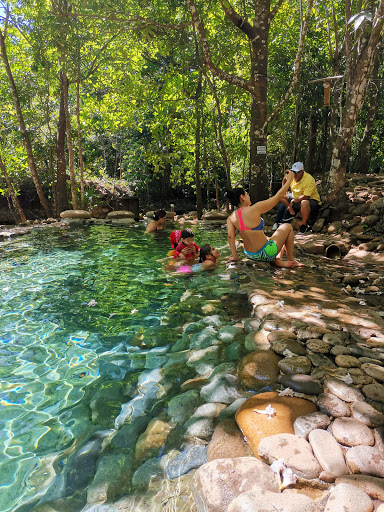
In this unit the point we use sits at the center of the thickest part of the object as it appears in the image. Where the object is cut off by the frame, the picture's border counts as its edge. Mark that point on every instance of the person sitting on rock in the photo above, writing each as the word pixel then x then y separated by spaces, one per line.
pixel 303 198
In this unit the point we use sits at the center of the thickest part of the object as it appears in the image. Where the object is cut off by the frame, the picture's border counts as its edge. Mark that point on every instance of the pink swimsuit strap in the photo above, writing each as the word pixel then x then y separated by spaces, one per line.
pixel 243 227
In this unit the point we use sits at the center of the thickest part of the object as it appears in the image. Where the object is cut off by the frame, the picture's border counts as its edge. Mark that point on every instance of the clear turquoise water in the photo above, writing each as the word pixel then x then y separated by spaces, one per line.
pixel 69 298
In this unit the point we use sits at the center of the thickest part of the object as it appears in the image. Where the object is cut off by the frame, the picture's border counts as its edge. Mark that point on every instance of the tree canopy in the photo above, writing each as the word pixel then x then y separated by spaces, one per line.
pixel 182 98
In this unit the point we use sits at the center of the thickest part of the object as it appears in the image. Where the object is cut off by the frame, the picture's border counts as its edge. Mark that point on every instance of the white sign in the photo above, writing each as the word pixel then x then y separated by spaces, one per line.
pixel 261 150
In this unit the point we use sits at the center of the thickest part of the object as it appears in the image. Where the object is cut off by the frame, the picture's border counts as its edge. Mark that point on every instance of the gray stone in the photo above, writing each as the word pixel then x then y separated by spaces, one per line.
pixel 333 339
pixel 128 434
pixel 112 478
pixel 280 345
pixel 182 406
pixel 120 214
pixel 75 214
pixel 218 482
pixel 374 392
pixel 191 457
pixel 295 364
pixel 346 497
pixel 318 346
pixel 144 474
pixel 374 370
pixel 320 360
pixel 204 360
pixel 333 406
pixel 343 391
pixel 328 452
pixel 261 500
pixel 295 451
pixel 347 361
pixel 351 432
pixel 372 485
pixel 223 389
pixel 230 411
pixel 301 383
pixel 303 425
pixel 366 459
pixel 227 333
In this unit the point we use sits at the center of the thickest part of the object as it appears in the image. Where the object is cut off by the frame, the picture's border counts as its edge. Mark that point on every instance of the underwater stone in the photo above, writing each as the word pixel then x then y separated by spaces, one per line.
pixel 191 457
pixel 111 479
pixel 181 406
pixel 148 471
pixel 227 333
pixel 204 360
pixel 129 433
pixel 223 389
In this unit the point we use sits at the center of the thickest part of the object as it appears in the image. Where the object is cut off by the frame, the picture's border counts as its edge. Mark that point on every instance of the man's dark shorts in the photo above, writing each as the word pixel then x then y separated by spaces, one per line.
pixel 314 205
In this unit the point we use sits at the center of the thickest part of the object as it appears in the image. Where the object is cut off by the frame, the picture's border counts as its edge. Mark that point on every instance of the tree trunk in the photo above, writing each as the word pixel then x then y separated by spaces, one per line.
pixel 71 160
pixel 81 163
pixel 199 197
pixel 61 177
pixel 364 154
pixel 11 190
pixel 311 148
pixel 27 142
pixel 356 83
pixel 258 179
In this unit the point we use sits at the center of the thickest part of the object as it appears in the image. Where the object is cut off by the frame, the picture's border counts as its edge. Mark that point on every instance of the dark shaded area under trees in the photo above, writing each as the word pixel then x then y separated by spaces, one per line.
pixel 174 102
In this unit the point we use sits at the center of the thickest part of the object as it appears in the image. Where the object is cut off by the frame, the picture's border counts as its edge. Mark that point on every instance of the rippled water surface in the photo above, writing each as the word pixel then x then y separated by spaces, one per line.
pixel 70 298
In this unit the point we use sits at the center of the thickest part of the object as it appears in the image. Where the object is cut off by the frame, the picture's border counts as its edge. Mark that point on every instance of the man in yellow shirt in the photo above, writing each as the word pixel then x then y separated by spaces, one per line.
pixel 303 198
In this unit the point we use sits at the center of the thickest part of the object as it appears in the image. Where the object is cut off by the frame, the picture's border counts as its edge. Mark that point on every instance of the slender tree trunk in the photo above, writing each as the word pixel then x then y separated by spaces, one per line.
pixel 311 148
pixel 199 197
pixel 71 160
pixel 296 128
pixel 61 177
pixel 81 163
pixel 223 149
pixel 11 190
pixel 27 142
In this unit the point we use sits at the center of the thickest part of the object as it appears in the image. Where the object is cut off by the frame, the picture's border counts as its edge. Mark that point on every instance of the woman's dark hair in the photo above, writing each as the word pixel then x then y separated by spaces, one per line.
pixel 187 233
pixel 234 195
pixel 159 214
pixel 204 251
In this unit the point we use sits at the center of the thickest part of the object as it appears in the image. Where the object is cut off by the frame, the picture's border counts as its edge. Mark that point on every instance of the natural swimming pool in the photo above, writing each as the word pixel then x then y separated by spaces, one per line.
pixel 85 314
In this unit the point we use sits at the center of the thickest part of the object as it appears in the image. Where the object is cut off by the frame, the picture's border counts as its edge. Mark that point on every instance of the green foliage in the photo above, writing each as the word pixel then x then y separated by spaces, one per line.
pixel 140 87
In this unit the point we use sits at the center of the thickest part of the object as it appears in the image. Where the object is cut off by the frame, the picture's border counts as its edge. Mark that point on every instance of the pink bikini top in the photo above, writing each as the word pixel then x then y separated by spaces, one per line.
pixel 243 227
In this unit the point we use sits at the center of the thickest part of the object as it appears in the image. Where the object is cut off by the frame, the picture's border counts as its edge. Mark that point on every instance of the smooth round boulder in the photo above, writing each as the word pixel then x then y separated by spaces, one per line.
pixel 258 369
pixel 120 214
pixel 351 432
pixel 218 482
pixel 75 214
pixel 255 423
pixel 347 497
pixel 301 383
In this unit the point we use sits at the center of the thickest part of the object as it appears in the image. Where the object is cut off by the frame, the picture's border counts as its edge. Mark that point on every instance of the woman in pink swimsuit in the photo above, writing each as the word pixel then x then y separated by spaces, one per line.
pixel 248 221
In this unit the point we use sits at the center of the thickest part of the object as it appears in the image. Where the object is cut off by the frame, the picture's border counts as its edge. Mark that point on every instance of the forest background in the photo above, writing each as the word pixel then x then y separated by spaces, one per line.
pixel 178 100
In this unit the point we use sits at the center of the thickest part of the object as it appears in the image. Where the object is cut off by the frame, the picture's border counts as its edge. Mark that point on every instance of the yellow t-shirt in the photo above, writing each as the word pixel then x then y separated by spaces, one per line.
pixel 305 187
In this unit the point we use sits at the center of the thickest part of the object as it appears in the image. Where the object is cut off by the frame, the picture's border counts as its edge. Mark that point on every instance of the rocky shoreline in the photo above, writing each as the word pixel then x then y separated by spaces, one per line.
pixel 286 409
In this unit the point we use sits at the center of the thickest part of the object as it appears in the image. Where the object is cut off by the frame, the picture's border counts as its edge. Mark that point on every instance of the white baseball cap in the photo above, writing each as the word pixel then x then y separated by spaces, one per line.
pixel 297 167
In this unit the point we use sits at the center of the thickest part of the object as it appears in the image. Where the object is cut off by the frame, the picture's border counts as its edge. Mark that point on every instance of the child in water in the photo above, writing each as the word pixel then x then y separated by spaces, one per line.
pixel 186 249
pixel 207 260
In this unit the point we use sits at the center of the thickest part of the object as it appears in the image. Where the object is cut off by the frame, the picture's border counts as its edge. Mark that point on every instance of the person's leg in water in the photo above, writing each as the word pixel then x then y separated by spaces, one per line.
pixel 284 239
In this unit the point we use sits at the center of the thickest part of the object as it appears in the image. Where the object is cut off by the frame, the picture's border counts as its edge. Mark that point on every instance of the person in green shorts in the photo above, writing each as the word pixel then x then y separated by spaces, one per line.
pixel 247 220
